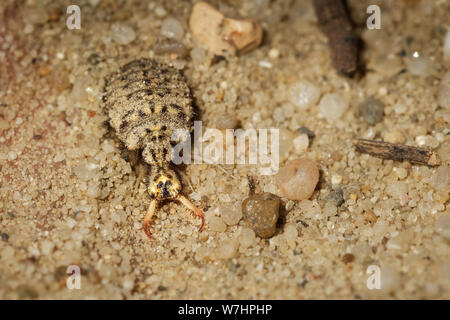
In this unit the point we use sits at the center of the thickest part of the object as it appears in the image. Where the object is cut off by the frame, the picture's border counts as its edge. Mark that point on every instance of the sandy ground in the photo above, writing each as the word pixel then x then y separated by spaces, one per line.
pixel 70 195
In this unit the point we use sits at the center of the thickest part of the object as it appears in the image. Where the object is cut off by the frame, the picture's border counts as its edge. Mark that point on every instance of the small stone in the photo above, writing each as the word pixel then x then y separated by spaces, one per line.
pixel 390 279
pixel 170 46
pixel 227 249
pixel 230 214
pixel 397 189
pixel 291 234
pixel 171 28
pixel 47 247
pixel 220 35
pixel 278 114
pixel 226 121
pixel 394 136
pixel 85 171
pixel 446 46
pixel 274 53
pixel 301 143
pixel 12 156
pixel 298 179
pixel 26 292
pixel 122 34
pixel 128 284
pixel 303 95
pixel 372 111
pixel 5 237
pixel 247 238
pixel 428 141
pixel 332 106
pixel 444 91
pixel 441 178
pixel 160 12
pixel 198 55
pixel 215 223
pixel 286 142
pixel 260 213
pixel 307 131
pixel 336 179
pixel 401 173
pixel 4 125
pixel 419 66
pixel 370 216
pixel 348 257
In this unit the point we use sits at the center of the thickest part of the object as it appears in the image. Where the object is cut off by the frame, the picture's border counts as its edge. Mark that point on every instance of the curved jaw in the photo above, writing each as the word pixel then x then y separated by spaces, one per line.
pixel 152 209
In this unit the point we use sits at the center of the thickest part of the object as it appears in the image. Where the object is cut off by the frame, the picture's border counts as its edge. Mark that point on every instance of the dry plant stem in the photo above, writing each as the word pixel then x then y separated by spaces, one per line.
pixel 335 23
pixel 398 152
pixel 152 209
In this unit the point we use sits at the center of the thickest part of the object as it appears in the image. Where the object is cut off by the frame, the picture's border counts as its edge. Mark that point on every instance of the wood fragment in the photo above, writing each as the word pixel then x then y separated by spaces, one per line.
pixel 397 152
pixel 337 26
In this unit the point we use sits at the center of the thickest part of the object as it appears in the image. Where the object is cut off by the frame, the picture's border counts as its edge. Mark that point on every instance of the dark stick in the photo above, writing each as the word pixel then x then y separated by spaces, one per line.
pixel 335 23
pixel 398 152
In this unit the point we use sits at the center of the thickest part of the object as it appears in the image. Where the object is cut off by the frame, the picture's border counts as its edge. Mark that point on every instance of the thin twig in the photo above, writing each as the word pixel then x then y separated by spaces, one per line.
pixel 398 152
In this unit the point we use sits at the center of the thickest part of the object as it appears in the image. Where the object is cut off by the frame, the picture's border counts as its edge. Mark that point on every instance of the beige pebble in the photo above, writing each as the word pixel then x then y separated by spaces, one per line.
pixel 301 143
pixel 394 136
pixel 298 179
pixel 221 35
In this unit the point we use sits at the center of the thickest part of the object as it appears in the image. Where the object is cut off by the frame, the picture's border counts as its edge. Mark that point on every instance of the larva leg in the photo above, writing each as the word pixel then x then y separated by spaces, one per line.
pixel 188 204
pixel 148 218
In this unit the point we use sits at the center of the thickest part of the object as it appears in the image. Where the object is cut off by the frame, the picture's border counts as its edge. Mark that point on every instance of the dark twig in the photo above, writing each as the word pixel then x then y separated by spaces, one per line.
pixel 398 152
pixel 337 26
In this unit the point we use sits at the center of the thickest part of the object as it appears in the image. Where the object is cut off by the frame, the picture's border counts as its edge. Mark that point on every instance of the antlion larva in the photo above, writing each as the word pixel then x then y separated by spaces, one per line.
pixel 145 101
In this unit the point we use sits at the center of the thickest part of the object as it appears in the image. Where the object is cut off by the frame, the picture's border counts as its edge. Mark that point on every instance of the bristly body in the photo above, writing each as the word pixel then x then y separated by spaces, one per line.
pixel 145 101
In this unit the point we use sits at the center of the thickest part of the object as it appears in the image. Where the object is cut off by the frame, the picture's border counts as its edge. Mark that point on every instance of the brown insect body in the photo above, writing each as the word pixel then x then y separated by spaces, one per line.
pixel 145 102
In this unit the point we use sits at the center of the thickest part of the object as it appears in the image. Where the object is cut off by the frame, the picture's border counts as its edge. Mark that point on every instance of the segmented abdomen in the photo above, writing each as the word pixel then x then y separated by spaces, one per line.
pixel 145 101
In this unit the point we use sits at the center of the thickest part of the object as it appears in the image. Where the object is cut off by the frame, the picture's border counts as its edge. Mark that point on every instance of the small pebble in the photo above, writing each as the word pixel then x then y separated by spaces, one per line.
pixel 298 179
pixel 397 189
pixel 336 179
pixel 348 257
pixel 446 46
pixel 171 28
pixel 122 34
pixel 444 91
pixel 394 136
pixel 419 66
pixel 286 142
pixel 227 249
pixel 12 156
pixel 370 216
pixel 428 141
pixel 440 180
pixel 5 237
pixel 226 121
pixel 160 12
pixel 307 131
pixel 301 143
pixel 260 213
pixel 215 223
pixel 247 238
pixel 332 106
pixel 442 226
pixel 221 35
pixel 303 95
pixel 274 53
pixel 336 196
pixel 372 111
pixel 230 214
pixel 401 173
